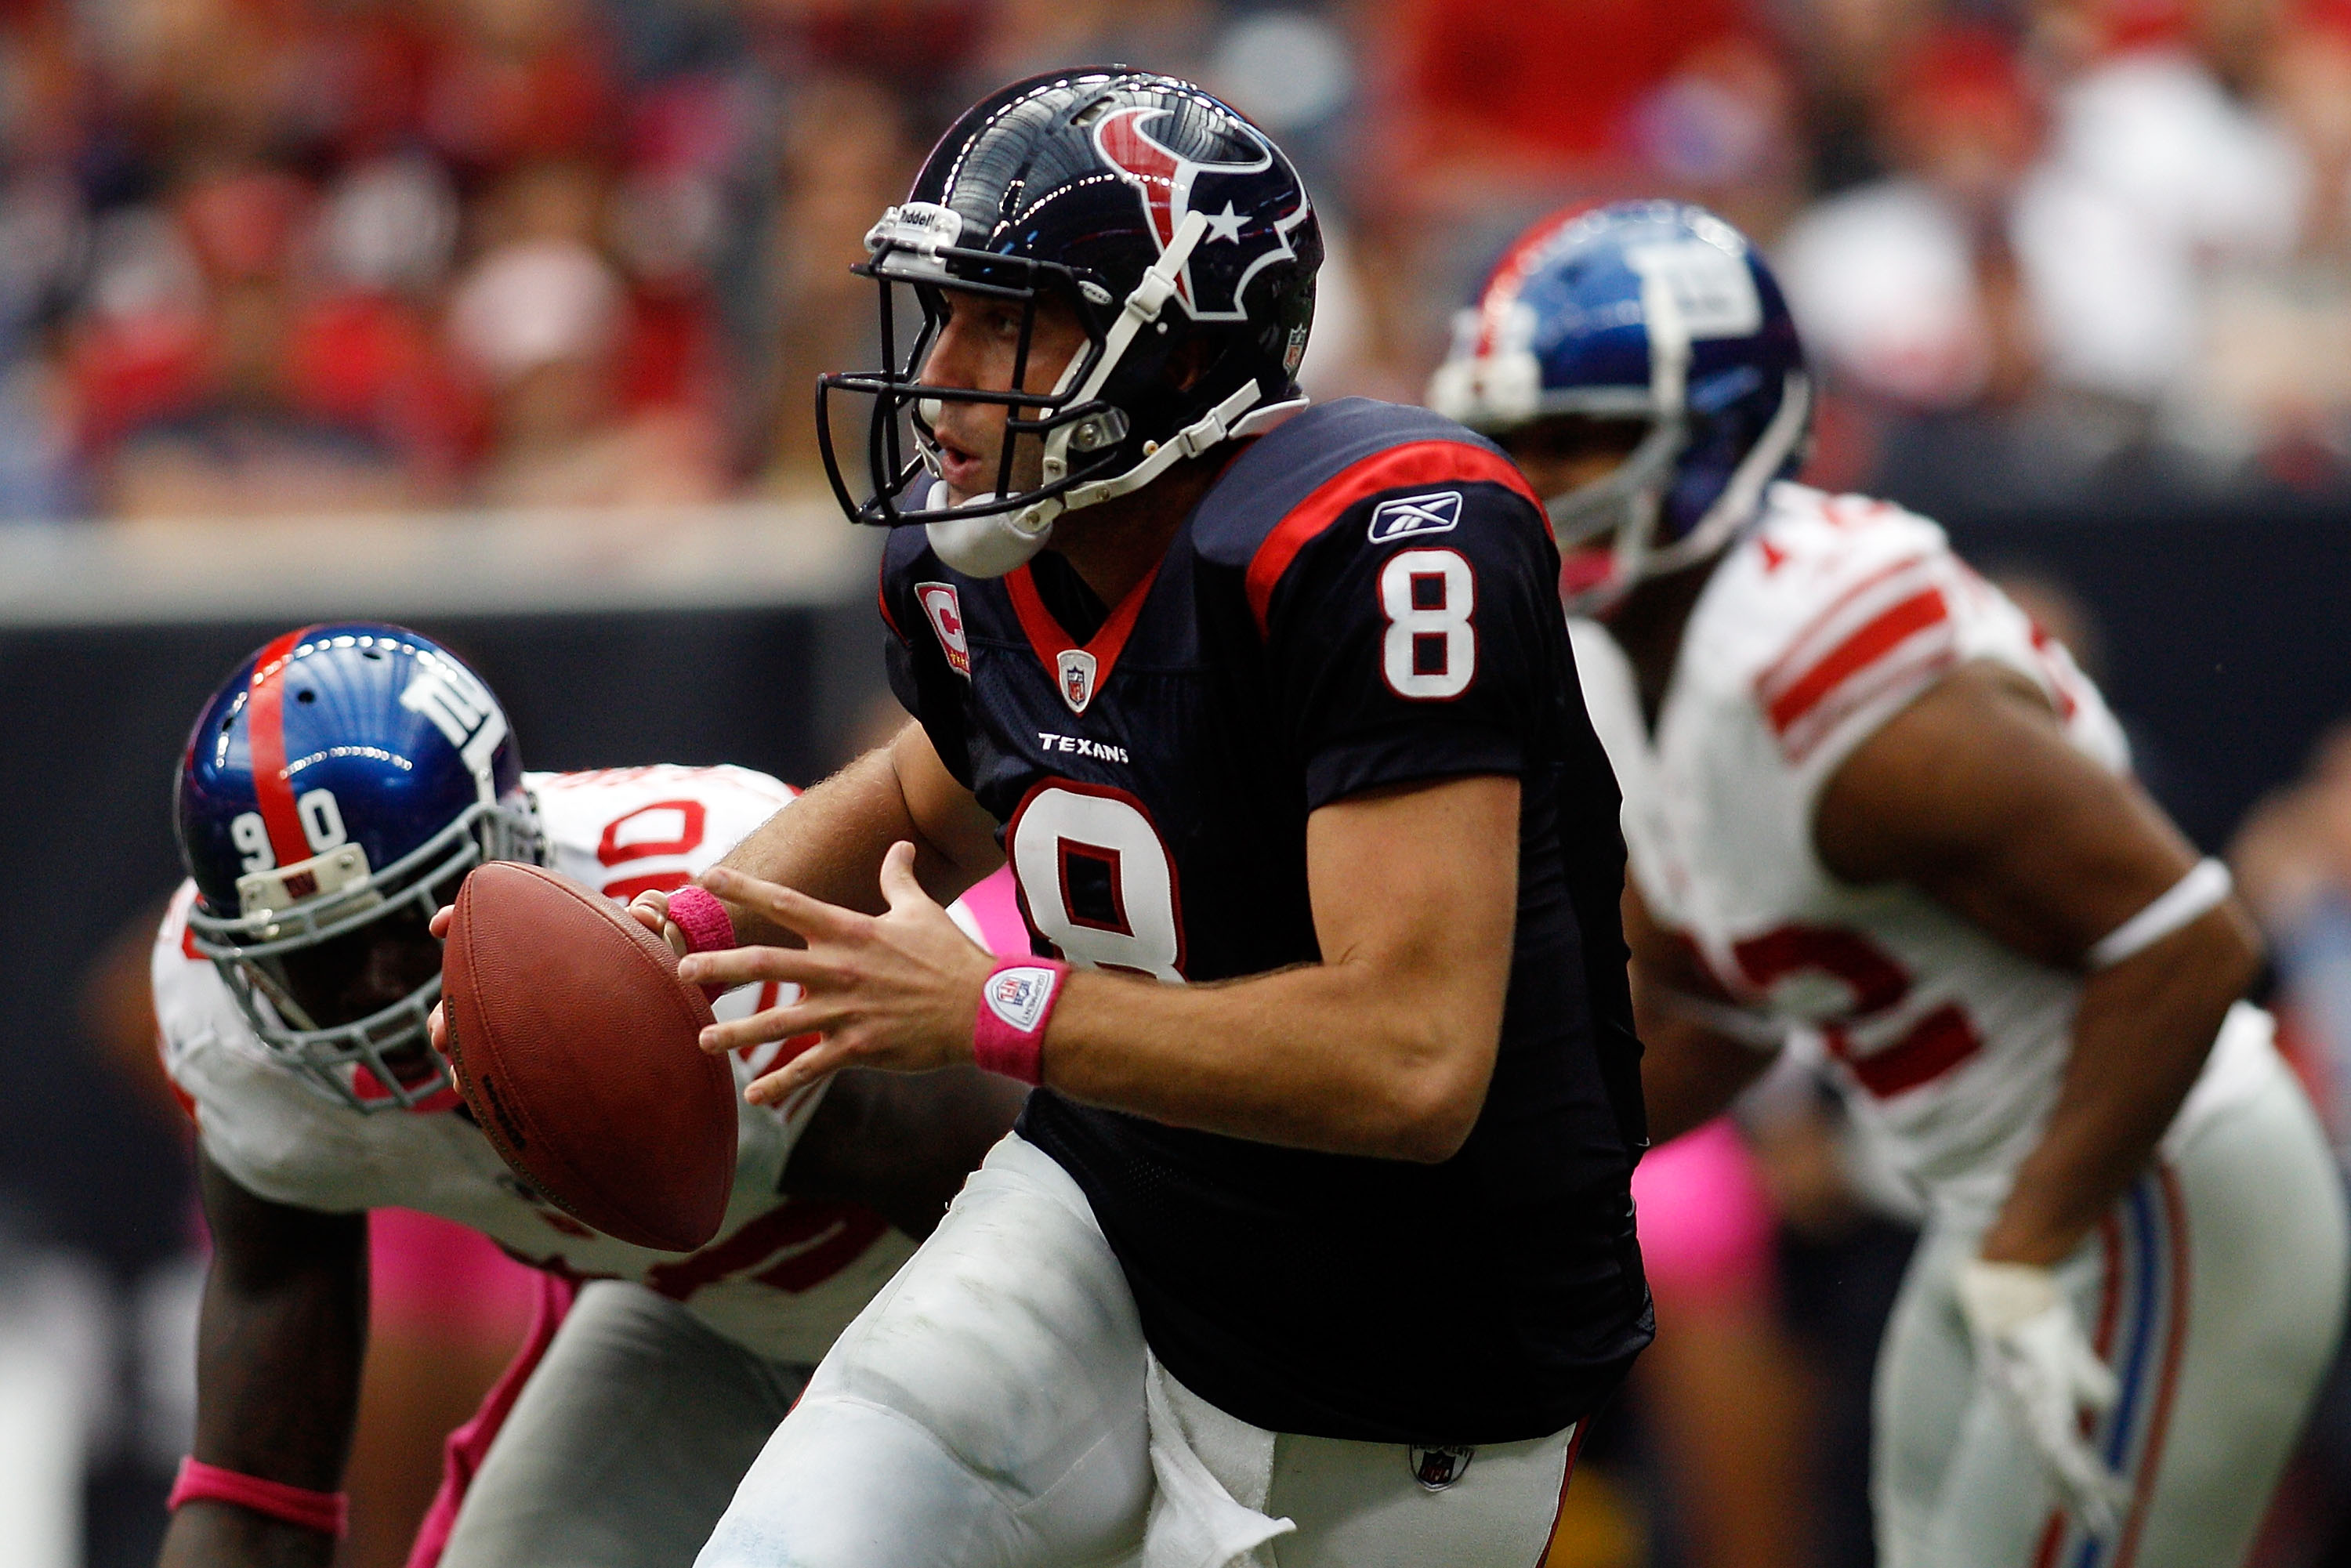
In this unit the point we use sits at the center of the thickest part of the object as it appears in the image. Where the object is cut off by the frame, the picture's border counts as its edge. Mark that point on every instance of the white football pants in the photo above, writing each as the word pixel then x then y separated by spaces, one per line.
pixel 625 1444
pixel 2214 1290
pixel 996 1408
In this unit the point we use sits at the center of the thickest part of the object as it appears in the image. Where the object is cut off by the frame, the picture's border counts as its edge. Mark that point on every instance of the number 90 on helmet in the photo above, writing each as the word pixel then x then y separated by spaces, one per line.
pixel 333 793
pixel 1654 313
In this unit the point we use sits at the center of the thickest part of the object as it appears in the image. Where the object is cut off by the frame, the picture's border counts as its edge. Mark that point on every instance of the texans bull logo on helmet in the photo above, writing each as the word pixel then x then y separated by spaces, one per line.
pixel 1173 186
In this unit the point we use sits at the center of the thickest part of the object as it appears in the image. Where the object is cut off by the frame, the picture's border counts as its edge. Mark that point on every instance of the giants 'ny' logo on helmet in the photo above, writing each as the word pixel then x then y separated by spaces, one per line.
pixel 1211 284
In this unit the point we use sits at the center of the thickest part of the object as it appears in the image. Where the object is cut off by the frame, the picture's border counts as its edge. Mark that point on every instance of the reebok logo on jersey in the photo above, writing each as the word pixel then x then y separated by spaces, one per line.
pixel 1437 512
pixel 1101 751
pixel 1018 995
pixel 945 612
pixel 1077 667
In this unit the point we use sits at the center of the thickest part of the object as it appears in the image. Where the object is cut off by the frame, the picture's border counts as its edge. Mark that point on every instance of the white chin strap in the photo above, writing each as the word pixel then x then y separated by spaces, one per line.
pixel 993 545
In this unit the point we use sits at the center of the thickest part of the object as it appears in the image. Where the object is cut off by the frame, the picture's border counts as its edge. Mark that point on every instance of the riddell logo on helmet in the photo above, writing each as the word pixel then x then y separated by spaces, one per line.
pixel 1166 180
pixel 946 613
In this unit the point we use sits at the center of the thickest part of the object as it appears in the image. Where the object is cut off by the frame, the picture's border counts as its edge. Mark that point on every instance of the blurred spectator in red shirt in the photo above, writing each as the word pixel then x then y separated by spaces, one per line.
pixel 1908 288
pixel 1493 114
pixel 1547 82
pixel 521 79
pixel 194 391
pixel 542 319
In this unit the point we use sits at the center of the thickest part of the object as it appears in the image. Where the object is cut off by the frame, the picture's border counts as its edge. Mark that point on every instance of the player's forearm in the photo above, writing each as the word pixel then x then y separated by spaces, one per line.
pixel 2141 1033
pixel 1336 1057
pixel 1689 1074
pixel 208 1534
pixel 280 1337
pixel 830 843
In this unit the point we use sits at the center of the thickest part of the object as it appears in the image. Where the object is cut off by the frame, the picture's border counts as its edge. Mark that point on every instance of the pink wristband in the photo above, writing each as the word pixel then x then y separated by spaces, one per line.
pixel 1014 1006
pixel 696 912
pixel 328 1512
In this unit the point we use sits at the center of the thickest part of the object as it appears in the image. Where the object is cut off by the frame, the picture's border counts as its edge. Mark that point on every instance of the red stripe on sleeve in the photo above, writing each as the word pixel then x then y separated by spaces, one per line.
pixel 1875 638
pixel 1415 462
pixel 265 720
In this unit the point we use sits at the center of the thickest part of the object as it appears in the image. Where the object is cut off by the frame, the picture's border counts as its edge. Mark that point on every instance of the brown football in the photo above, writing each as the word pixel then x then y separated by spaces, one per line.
pixel 573 1042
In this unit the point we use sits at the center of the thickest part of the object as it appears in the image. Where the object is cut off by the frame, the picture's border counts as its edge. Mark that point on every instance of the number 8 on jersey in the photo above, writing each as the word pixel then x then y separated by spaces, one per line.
pixel 1431 649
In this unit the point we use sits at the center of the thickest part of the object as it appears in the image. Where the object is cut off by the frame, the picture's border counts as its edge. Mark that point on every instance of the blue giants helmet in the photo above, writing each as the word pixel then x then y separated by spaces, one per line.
pixel 334 794
pixel 1169 226
pixel 1649 311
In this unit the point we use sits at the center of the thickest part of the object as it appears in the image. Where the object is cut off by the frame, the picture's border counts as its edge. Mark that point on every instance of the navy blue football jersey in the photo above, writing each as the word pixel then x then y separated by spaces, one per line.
pixel 1366 596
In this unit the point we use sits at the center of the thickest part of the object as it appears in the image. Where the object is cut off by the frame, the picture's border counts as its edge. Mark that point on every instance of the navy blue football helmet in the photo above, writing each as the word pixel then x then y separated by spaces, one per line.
pixel 1656 312
pixel 1165 220
pixel 334 793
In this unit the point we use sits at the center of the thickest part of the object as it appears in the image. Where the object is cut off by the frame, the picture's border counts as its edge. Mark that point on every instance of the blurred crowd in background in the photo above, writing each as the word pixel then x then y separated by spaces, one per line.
pixel 307 255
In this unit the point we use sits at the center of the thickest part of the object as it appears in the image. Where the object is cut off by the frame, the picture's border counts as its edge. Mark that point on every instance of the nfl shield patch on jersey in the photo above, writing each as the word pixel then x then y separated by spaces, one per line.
pixel 1077 667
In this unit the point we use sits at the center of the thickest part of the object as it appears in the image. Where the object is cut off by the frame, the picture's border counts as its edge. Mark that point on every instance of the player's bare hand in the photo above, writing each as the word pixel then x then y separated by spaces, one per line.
pixel 897 990
pixel 437 1027
pixel 650 909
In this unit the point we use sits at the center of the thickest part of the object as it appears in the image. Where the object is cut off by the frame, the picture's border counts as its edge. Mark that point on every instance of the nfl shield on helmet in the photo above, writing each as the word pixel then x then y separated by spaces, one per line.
pixel 342 780
pixel 1653 312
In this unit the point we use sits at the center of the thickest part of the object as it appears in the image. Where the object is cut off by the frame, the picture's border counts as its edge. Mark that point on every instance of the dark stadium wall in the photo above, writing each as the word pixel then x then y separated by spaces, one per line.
pixel 2228 638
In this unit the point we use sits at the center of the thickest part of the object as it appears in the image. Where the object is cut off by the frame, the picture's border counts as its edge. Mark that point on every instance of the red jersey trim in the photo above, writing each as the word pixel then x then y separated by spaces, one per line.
pixel 1049 640
pixel 881 600
pixel 1415 462
pixel 265 721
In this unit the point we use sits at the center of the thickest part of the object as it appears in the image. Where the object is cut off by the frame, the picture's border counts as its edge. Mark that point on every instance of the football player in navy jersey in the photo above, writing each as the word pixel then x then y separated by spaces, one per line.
pixel 1315 1243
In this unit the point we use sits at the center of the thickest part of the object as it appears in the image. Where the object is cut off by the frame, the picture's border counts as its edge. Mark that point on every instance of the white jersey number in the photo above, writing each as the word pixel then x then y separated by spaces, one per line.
pixel 1099 882
pixel 1431 649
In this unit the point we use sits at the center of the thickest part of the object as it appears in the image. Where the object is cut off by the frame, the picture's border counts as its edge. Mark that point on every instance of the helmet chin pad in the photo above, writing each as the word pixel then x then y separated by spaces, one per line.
pixel 990 544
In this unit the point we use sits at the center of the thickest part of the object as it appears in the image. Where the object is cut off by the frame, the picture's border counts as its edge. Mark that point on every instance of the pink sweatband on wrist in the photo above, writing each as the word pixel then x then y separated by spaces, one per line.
pixel 328 1512
pixel 1015 1005
pixel 697 912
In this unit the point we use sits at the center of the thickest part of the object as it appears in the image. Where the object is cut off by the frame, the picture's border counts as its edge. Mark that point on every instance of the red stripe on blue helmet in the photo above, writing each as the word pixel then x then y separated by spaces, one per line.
pixel 265 718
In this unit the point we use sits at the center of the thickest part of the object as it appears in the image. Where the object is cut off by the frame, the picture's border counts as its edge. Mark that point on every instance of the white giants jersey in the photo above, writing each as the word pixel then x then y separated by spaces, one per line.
pixel 1827 619
pixel 783 1276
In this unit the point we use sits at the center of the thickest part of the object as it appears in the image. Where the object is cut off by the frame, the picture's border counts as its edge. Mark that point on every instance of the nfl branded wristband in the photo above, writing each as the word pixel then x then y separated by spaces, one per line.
pixel 696 912
pixel 328 1512
pixel 1015 1005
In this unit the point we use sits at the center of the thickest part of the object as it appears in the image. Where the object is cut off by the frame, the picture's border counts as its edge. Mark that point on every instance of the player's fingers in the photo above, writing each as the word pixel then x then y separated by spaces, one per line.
pixel 439 924
pixel 898 883
pixel 795 911
pixel 436 1029
pixel 805 1068
pixel 735 966
pixel 777 1023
